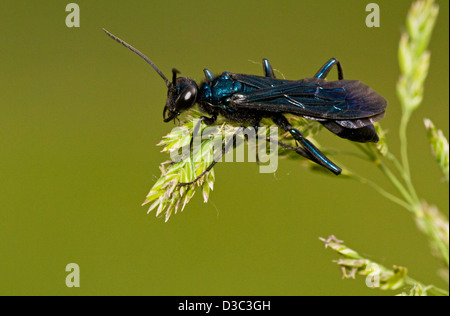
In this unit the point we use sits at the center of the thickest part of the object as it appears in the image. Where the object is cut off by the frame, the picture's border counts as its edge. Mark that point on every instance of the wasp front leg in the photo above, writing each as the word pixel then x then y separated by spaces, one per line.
pixel 208 75
pixel 226 148
pixel 209 120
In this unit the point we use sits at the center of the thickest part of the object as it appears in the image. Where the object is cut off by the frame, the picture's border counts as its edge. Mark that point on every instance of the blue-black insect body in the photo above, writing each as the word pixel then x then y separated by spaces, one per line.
pixel 348 108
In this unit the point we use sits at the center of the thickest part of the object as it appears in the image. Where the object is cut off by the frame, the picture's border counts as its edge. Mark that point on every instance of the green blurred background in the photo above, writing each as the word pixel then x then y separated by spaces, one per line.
pixel 80 117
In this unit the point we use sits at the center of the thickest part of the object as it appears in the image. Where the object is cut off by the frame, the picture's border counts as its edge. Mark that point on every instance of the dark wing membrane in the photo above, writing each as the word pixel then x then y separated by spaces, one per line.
pixel 258 82
pixel 342 100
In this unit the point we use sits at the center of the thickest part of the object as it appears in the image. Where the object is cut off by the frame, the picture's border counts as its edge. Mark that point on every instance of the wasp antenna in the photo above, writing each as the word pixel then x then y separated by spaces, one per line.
pixel 168 83
pixel 174 76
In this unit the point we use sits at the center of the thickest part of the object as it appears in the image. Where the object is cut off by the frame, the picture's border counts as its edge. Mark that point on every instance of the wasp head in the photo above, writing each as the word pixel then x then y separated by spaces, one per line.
pixel 181 95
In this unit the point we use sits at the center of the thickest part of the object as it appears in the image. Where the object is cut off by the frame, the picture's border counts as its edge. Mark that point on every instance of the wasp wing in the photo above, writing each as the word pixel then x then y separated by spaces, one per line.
pixel 350 103
pixel 258 82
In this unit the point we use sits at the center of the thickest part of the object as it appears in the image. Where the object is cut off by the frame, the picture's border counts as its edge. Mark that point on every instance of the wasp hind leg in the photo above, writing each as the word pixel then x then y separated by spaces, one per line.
pixel 323 72
pixel 313 153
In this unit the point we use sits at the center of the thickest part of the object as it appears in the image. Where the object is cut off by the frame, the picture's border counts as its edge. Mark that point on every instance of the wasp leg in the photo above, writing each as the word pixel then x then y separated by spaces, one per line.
pixel 256 127
pixel 323 72
pixel 208 74
pixel 227 147
pixel 194 135
pixel 299 150
pixel 268 71
pixel 312 151
pixel 207 121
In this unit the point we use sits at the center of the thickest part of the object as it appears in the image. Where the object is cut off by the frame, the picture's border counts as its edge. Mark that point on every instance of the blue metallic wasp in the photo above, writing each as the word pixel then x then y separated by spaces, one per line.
pixel 347 108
